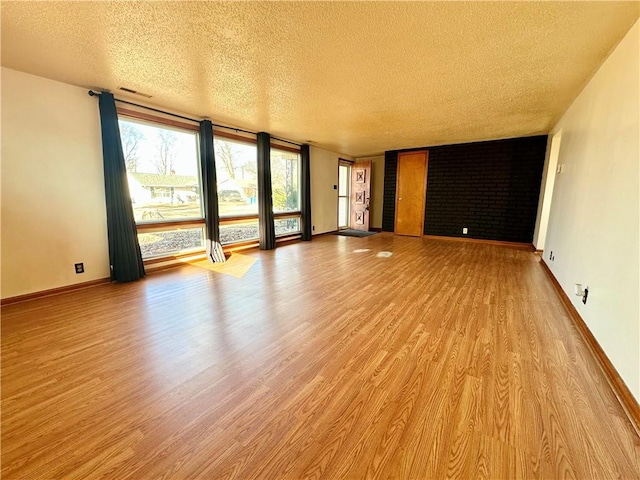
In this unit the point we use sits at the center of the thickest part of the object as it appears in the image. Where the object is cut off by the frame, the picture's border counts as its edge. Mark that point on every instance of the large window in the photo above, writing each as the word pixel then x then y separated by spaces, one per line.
pixel 237 176
pixel 285 189
pixel 164 181
pixel 285 181
pixel 163 172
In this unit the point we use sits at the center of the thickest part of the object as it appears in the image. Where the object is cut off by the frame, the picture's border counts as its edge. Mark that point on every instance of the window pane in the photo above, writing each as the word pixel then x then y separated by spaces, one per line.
pixel 287 226
pixel 238 232
pixel 285 181
pixel 153 244
pixel 343 187
pixel 237 175
pixel 162 169
pixel 343 210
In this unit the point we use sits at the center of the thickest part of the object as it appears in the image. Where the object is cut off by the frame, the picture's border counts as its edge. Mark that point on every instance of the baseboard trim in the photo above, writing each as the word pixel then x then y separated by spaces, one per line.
pixel 53 291
pixel 375 229
pixel 621 391
pixel 331 232
pixel 518 245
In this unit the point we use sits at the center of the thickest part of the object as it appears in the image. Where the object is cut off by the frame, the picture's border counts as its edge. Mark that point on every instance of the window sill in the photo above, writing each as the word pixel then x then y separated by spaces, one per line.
pixel 148 226
pixel 289 237
pixel 287 214
pixel 177 257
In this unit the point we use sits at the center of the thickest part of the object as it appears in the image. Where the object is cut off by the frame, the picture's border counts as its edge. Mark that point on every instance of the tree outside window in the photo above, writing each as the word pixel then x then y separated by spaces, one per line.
pixel 285 180
pixel 164 183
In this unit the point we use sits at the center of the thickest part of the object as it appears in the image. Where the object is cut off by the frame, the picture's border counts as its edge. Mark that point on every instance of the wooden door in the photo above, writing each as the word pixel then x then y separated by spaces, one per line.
pixel 360 195
pixel 411 189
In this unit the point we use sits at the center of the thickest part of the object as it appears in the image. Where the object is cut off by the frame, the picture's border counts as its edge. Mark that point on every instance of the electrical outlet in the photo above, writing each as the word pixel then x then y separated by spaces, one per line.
pixel 313 228
pixel 79 267
pixel 581 292
pixel 586 294
pixel 465 230
pixel 551 255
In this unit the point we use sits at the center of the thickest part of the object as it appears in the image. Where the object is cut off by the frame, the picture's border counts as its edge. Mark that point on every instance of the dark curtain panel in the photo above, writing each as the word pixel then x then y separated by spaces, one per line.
pixel 305 192
pixel 210 193
pixel 124 250
pixel 265 201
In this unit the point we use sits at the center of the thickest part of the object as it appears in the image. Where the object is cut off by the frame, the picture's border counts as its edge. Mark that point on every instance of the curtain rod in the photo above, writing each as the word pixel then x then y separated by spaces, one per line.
pixel 286 141
pixel 92 93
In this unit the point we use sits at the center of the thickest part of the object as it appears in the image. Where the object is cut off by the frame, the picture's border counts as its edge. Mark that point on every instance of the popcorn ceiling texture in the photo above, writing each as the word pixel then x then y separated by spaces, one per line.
pixel 355 77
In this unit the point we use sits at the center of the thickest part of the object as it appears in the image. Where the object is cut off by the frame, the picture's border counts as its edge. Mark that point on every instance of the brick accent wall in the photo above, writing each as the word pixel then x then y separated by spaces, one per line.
pixel 389 196
pixel 491 188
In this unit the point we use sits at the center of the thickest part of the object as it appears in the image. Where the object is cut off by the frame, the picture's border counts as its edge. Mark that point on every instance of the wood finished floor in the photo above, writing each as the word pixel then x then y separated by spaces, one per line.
pixel 445 360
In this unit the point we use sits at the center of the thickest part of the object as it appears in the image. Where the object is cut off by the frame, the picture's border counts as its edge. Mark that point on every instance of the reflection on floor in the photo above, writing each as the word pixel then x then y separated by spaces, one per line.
pixel 237 265
pixel 447 360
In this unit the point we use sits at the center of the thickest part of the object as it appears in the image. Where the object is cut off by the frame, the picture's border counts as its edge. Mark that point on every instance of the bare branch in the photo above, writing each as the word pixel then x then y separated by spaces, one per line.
pixel 224 154
pixel 166 152
pixel 131 137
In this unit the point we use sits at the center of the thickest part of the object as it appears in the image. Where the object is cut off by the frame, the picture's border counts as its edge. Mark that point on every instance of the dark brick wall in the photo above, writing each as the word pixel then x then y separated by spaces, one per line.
pixel 492 188
pixel 389 196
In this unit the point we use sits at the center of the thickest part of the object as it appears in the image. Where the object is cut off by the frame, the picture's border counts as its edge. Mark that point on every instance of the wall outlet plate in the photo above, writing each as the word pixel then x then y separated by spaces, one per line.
pixel 465 230
pixel 79 267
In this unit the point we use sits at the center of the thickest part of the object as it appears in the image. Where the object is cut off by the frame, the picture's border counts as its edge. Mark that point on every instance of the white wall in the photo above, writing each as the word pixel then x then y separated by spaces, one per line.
pixel 377 189
pixel 324 198
pixel 594 226
pixel 53 211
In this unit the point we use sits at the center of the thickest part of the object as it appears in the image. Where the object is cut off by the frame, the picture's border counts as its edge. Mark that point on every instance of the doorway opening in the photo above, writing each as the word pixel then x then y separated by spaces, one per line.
pixel 344 194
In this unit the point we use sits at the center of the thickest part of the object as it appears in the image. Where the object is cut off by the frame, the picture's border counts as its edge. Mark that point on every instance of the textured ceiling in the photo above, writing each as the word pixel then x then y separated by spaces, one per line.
pixel 354 77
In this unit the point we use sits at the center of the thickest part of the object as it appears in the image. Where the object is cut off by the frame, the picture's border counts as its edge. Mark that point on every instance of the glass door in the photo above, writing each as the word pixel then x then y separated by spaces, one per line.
pixel 344 187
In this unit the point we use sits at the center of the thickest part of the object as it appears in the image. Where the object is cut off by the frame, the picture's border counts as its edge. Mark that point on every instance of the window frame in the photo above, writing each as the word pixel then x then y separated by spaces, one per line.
pixel 149 226
pixel 299 170
pixel 234 219
pixel 294 213
pixel 236 139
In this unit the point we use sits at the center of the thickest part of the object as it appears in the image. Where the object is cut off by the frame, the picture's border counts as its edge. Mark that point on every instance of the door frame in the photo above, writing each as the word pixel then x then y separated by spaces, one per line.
pixel 424 193
pixel 348 163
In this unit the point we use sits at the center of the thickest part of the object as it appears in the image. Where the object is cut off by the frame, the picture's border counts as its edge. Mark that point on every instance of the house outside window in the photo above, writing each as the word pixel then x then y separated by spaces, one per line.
pixel 166 190
pixel 237 176
pixel 164 183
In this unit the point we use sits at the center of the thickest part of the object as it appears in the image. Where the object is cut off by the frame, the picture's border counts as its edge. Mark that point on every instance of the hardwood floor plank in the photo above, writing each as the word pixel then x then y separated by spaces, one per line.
pixel 447 359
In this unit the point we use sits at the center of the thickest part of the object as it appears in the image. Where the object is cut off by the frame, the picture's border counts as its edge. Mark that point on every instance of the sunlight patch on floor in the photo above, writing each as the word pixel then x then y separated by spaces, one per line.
pixel 237 265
